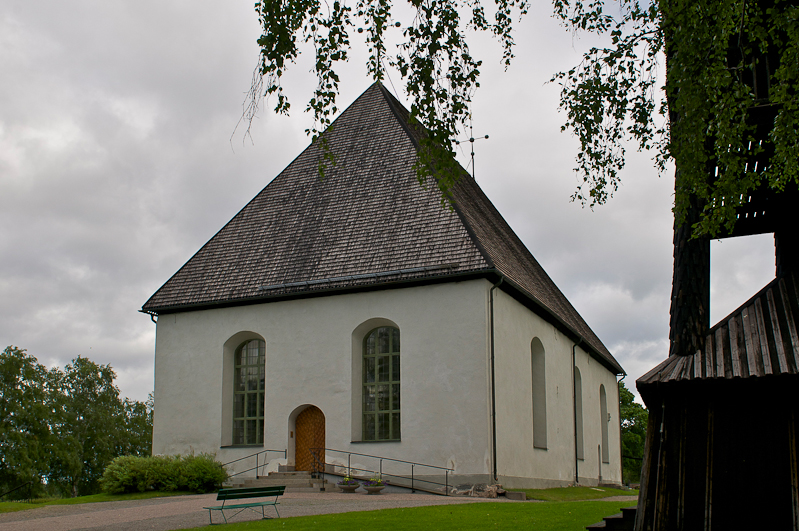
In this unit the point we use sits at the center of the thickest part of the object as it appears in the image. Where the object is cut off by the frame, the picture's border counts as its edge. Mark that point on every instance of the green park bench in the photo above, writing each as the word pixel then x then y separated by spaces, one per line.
pixel 227 495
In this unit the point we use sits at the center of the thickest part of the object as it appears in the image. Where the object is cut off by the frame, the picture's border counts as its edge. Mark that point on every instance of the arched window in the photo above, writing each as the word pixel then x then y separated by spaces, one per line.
pixel 381 385
pixel 539 394
pixel 248 393
pixel 578 413
pixel 604 419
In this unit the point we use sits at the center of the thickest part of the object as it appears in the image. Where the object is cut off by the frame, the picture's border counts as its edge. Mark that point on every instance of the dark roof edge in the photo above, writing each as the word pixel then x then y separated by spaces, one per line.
pixel 322 292
pixel 470 231
pixel 515 291
pixel 537 304
pixel 392 103
pixel 208 242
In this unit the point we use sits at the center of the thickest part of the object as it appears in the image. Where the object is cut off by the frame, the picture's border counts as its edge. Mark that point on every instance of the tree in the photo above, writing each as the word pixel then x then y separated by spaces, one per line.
pixel 634 418
pixel 706 120
pixel 138 428
pixel 24 430
pixel 88 421
pixel 433 59
pixel 62 428
pixel 730 95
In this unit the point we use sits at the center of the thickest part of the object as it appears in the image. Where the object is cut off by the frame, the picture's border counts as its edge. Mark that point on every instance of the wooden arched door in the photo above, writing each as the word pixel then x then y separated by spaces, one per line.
pixel 310 428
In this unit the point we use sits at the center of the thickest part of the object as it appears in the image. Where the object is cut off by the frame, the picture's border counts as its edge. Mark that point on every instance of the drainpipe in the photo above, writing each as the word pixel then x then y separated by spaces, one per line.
pixel 574 411
pixel 618 409
pixel 493 381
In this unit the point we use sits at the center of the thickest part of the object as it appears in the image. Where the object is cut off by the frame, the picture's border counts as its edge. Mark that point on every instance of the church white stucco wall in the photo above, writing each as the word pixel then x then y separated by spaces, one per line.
pixel 313 357
pixel 310 361
pixel 519 463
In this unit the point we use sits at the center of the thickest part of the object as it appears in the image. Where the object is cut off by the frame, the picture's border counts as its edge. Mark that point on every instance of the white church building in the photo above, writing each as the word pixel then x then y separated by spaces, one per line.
pixel 355 313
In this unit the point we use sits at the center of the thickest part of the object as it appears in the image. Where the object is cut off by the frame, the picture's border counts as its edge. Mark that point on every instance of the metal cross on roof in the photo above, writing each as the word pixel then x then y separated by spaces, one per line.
pixel 471 140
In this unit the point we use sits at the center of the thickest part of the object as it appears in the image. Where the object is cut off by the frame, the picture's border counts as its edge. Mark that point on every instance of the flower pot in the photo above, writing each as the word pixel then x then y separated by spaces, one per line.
pixel 375 489
pixel 349 488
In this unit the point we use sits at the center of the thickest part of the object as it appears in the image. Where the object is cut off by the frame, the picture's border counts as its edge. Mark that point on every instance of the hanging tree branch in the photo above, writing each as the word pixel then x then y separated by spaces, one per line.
pixel 702 118
pixel 432 57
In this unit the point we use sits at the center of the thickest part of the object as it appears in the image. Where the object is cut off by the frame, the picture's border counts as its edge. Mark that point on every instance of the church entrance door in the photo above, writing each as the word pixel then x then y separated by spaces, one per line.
pixel 310 426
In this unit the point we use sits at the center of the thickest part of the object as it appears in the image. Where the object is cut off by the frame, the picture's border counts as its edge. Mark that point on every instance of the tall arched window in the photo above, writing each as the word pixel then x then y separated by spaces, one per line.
pixel 539 394
pixel 381 385
pixel 248 393
pixel 604 419
pixel 578 413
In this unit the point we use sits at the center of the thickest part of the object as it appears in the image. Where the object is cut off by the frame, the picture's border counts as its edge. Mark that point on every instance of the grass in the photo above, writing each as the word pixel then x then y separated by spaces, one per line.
pixel 9 507
pixel 563 516
pixel 575 493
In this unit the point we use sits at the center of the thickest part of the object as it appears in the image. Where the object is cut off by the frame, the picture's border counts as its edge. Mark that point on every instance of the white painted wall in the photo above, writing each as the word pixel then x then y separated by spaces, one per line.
pixel 312 358
pixel 519 463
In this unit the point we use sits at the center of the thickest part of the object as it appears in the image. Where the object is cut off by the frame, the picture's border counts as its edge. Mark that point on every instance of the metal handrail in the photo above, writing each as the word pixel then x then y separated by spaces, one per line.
pixel 320 466
pixel 385 458
pixel 257 466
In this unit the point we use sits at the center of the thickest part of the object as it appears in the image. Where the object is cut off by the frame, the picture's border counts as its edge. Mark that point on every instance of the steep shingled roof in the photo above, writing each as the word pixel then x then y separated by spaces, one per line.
pixel 366 223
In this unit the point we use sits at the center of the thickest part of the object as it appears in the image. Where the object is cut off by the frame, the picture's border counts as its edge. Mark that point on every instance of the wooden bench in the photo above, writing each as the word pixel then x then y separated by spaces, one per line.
pixel 241 494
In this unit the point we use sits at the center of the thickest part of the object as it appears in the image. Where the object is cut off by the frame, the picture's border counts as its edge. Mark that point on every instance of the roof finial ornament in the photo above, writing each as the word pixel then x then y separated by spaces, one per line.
pixel 471 140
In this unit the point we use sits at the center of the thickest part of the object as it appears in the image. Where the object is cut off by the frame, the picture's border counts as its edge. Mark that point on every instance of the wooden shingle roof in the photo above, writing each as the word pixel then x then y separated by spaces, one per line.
pixel 758 339
pixel 367 223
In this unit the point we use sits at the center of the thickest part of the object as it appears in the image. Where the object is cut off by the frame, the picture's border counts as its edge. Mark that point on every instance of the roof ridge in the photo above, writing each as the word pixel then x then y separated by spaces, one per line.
pixel 395 106
pixel 573 320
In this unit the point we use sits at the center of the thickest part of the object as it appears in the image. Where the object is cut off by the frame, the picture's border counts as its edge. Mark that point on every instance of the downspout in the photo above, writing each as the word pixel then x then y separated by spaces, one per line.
pixel 574 412
pixel 618 408
pixel 493 382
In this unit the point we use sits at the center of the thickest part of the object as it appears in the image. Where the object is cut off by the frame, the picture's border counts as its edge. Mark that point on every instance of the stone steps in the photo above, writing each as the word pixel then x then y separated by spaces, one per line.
pixel 293 481
pixel 624 521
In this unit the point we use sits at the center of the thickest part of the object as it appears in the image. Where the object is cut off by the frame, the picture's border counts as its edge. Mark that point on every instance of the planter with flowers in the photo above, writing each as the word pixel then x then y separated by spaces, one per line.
pixel 374 485
pixel 348 484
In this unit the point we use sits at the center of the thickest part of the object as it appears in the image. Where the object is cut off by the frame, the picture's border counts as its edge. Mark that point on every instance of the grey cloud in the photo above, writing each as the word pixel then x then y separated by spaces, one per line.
pixel 116 165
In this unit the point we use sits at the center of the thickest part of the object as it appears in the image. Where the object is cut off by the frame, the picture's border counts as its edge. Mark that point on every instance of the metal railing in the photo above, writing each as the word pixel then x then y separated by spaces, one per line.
pixel 263 461
pixel 321 465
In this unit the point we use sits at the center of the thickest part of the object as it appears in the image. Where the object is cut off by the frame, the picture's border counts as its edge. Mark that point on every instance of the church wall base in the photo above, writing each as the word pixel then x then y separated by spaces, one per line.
pixel 513 482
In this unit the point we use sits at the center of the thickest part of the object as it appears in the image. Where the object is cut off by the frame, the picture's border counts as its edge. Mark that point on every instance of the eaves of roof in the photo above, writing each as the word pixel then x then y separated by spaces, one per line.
pixel 758 340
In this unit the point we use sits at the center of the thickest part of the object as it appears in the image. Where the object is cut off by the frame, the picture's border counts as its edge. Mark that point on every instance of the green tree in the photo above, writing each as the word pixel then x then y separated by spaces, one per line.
pixel 703 120
pixel 732 67
pixel 137 438
pixel 87 424
pixel 634 418
pixel 24 430
pixel 432 57
pixel 65 426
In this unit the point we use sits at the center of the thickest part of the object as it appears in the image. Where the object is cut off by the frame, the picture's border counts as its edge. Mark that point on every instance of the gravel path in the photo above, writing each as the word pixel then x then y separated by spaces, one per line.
pixel 164 514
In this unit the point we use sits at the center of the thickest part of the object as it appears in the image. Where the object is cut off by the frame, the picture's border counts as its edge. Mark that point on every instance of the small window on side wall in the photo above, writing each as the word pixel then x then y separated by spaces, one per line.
pixel 381 385
pixel 578 411
pixel 538 361
pixel 604 419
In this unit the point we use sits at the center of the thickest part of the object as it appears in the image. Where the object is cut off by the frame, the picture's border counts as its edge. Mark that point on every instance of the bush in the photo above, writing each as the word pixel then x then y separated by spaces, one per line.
pixel 203 473
pixel 130 473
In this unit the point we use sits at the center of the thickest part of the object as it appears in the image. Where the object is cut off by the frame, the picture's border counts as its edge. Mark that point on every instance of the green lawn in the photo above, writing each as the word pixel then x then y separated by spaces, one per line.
pixel 8 507
pixel 575 493
pixel 560 516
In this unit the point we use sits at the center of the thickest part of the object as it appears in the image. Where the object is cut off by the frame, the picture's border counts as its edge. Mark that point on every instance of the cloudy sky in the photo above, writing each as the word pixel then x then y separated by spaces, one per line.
pixel 119 158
